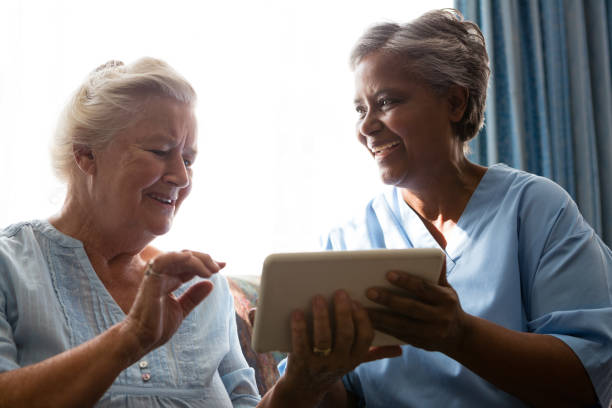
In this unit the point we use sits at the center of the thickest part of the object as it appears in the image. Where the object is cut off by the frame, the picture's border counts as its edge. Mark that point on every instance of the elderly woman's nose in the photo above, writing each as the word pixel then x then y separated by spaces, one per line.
pixel 177 173
pixel 370 125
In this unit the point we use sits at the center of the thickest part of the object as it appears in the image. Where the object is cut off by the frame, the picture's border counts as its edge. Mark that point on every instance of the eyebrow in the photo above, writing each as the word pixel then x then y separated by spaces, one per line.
pixel 376 94
pixel 168 141
pixel 158 137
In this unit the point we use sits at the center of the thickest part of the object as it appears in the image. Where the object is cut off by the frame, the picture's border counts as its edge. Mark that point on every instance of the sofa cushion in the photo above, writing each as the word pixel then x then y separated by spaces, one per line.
pixel 245 291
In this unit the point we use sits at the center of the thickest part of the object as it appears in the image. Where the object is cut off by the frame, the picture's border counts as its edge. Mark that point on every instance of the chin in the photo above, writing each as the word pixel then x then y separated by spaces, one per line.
pixel 160 228
pixel 390 178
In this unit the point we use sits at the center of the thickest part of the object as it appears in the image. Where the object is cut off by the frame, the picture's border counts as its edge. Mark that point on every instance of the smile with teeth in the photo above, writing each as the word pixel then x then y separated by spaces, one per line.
pixel 162 199
pixel 377 150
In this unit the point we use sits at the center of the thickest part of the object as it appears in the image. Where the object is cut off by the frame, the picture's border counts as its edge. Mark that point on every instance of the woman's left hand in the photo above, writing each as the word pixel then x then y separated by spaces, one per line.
pixel 428 315
pixel 157 313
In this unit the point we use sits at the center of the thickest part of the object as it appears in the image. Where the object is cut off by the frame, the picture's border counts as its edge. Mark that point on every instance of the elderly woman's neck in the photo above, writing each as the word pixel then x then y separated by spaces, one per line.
pixel 101 244
pixel 439 196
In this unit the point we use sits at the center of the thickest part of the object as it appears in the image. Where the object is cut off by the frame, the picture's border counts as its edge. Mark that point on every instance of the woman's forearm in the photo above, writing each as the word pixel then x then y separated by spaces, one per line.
pixel 539 369
pixel 74 378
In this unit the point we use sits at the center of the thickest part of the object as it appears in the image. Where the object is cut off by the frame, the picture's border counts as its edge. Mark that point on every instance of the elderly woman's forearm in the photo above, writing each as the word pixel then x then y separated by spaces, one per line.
pixel 539 369
pixel 74 378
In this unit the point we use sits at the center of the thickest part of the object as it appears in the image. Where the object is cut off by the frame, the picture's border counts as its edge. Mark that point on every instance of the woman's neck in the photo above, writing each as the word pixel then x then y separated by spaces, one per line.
pixel 440 196
pixel 105 248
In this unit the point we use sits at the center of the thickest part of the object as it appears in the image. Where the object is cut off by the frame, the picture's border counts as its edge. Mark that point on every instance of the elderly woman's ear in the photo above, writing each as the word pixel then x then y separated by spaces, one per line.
pixel 457 101
pixel 84 158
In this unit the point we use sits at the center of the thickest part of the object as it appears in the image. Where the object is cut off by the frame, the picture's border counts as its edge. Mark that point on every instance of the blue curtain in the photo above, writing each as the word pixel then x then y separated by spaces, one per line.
pixel 549 105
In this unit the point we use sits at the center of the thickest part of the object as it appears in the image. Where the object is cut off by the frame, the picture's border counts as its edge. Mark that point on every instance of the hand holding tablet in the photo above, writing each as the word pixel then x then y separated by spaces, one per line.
pixel 290 280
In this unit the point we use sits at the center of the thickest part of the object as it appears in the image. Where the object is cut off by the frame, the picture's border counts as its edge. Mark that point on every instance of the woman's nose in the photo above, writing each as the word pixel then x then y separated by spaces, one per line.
pixel 177 173
pixel 370 125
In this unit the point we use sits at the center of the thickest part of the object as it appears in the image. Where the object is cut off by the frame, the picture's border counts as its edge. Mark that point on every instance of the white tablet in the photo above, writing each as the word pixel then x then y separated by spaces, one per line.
pixel 290 280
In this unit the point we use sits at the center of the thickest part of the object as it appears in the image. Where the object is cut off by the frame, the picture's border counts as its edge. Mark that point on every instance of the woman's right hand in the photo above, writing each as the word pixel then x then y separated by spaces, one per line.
pixel 156 313
pixel 311 372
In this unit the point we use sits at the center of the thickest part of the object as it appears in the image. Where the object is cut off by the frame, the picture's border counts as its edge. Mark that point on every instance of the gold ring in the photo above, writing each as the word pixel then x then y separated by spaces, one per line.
pixel 321 352
pixel 150 271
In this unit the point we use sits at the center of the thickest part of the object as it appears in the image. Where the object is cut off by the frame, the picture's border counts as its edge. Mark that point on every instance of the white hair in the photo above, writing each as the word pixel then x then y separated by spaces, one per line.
pixel 109 100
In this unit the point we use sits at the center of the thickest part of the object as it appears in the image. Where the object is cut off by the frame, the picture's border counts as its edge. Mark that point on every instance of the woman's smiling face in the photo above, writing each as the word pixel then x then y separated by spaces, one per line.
pixel 144 174
pixel 404 124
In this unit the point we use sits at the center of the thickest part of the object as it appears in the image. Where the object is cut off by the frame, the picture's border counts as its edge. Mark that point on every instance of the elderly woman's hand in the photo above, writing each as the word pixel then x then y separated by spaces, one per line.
pixel 314 366
pixel 156 313
pixel 428 316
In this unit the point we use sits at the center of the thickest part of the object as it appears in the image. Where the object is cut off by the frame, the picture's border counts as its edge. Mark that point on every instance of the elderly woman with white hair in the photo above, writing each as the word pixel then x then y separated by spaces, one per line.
pixel 90 313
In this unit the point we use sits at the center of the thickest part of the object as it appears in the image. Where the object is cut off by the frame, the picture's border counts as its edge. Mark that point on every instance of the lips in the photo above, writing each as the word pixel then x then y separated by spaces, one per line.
pixel 164 199
pixel 384 149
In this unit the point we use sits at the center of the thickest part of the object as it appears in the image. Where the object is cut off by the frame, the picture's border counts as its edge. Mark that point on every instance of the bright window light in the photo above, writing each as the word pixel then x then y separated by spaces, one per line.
pixel 279 163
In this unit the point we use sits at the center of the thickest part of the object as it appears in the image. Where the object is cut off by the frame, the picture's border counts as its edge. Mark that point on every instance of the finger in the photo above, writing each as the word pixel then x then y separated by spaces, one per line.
pixel 165 263
pixel 299 335
pixel 364 332
pixel 397 326
pixel 406 306
pixel 321 331
pixel 194 295
pixel 377 353
pixel 345 330
pixel 210 265
pixel 416 287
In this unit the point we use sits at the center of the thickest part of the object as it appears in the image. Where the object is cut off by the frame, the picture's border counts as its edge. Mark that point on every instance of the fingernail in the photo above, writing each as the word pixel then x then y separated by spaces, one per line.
pixel 319 302
pixel 298 316
pixel 372 294
pixel 392 276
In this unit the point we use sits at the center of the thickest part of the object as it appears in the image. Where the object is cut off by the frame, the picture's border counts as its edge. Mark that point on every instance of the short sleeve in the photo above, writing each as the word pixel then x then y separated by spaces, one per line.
pixel 569 293
pixel 237 376
pixel 353 385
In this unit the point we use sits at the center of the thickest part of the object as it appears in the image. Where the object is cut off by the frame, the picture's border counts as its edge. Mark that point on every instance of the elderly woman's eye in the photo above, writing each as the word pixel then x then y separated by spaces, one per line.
pixel 187 162
pixel 158 152
pixel 385 102
pixel 361 110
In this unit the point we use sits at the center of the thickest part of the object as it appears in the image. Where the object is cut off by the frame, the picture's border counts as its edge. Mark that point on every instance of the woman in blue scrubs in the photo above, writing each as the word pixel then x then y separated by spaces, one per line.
pixel 522 313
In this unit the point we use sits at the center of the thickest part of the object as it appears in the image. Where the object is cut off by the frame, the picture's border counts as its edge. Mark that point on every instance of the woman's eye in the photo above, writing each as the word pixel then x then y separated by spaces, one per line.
pixel 360 110
pixel 385 102
pixel 187 162
pixel 160 153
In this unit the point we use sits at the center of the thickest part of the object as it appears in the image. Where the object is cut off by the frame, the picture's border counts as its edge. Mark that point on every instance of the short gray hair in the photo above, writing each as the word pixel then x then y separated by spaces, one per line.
pixel 441 49
pixel 109 100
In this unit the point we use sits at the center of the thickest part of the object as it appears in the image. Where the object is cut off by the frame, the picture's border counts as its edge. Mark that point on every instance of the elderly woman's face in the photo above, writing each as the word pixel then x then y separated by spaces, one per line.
pixel 145 173
pixel 405 126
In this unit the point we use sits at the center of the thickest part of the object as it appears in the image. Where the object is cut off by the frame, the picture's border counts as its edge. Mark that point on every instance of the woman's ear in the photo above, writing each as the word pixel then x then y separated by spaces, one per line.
pixel 457 100
pixel 84 158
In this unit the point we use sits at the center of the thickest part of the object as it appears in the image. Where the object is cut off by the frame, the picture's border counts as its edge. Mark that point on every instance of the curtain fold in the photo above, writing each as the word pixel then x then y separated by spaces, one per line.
pixel 549 104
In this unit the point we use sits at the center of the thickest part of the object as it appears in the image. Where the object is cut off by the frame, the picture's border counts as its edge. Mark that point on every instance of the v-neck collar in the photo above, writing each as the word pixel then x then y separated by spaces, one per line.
pixel 417 235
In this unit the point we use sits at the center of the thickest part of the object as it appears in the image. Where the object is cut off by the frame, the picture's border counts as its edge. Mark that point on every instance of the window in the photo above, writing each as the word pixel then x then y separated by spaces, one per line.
pixel 279 163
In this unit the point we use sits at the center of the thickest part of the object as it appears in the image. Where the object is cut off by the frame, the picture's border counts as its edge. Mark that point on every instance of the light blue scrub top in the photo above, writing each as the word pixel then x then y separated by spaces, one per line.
pixel 521 256
pixel 51 300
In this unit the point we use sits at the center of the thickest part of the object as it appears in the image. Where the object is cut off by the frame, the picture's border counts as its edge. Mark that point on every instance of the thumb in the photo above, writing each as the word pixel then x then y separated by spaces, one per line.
pixel 377 353
pixel 194 295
